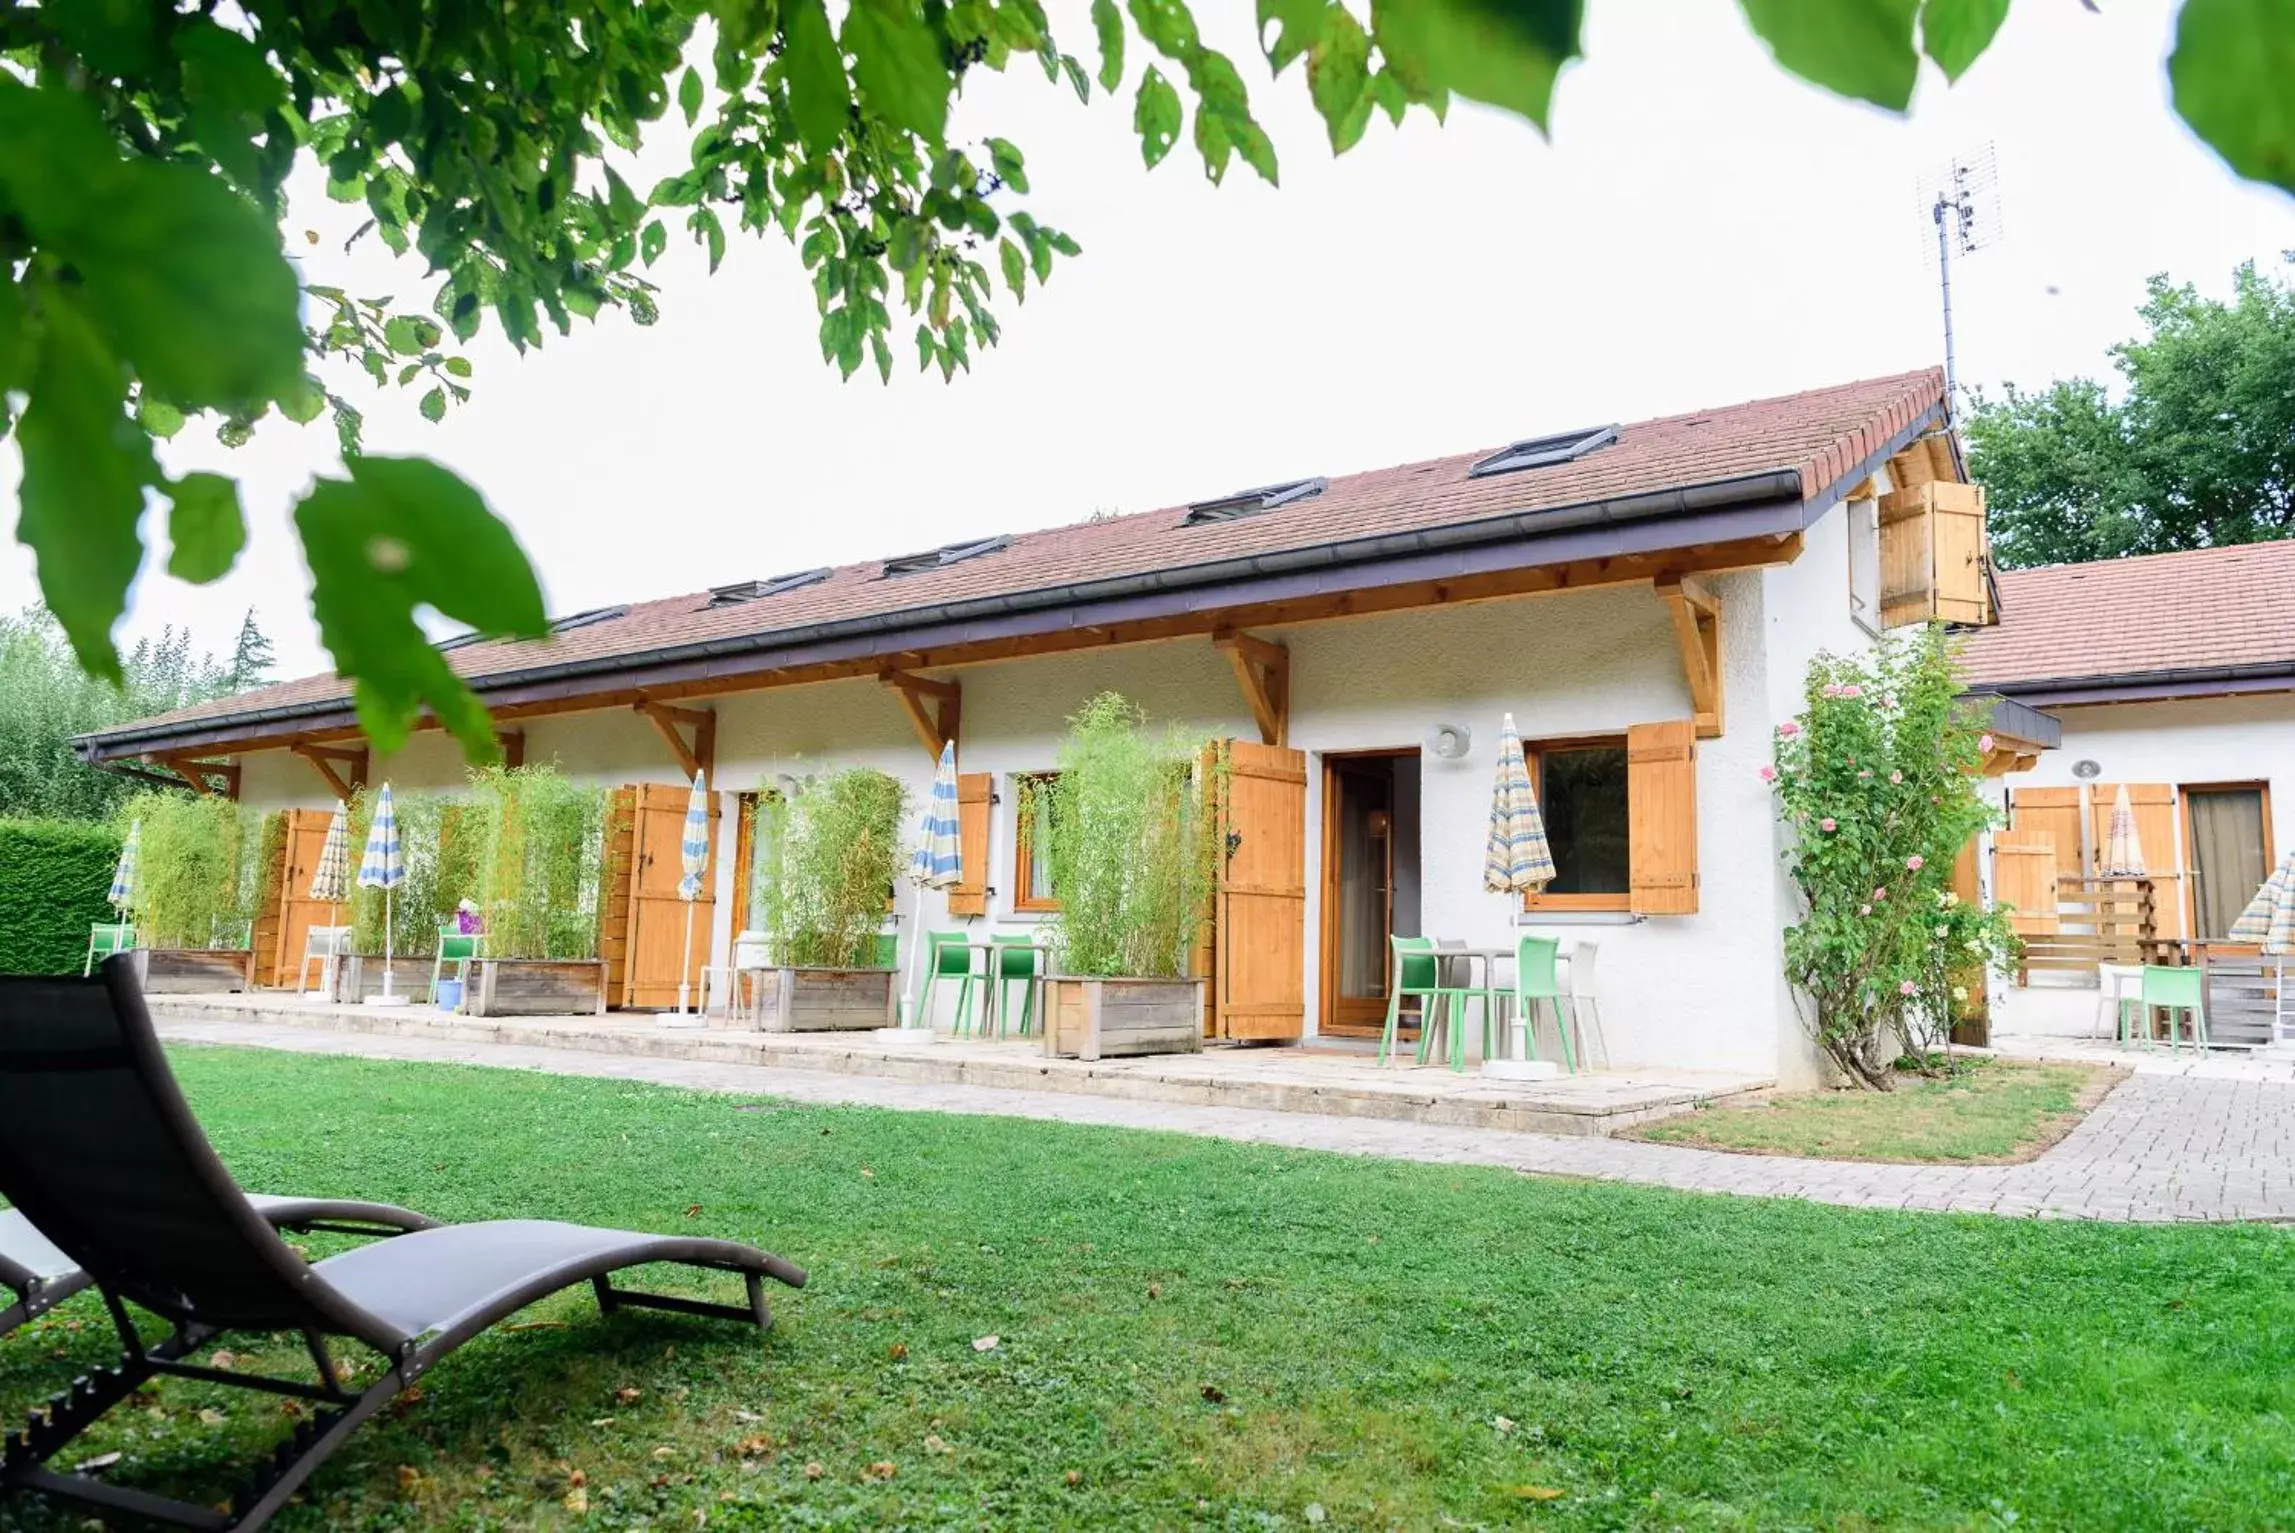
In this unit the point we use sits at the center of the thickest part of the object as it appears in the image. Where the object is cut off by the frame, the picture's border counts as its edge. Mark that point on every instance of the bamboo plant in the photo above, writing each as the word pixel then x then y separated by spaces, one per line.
pixel 538 846
pixel 197 874
pixel 827 862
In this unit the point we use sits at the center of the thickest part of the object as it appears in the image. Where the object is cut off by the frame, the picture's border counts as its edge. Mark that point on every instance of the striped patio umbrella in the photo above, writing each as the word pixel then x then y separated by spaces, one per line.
pixel 332 882
pixel 381 867
pixel 2123 852
pixel 939 859
pixel 2269 919
pixel 122 893
pixel 693 861
pixel 1516 858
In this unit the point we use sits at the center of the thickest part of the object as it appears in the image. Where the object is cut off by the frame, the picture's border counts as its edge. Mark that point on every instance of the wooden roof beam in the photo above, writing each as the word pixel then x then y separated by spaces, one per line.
pixel 935 709
pixel 699 756
pixel 1263 671
pixel 1696 614
pixel 195 775
pixel 324 759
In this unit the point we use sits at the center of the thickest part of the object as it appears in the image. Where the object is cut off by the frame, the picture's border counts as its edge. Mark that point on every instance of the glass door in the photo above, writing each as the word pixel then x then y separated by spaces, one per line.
pixel 2226 832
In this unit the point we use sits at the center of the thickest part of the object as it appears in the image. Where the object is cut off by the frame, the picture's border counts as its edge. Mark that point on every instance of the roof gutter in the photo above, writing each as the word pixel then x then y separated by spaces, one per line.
pixel 2154 686
pixel 1747 505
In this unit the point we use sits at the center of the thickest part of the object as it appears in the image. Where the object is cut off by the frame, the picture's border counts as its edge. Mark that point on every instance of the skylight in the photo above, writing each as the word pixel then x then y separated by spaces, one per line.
pixel 1244 503
pixel 756 590
pixel 459 640
pixel 1539 452
pixel 941 558
pixel 585 619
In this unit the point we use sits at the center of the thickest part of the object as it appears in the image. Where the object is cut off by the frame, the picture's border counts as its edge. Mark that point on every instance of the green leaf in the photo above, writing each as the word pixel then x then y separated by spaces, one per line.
pixel 652 240
pixel 158 417
pixel 1109 23
pixel 1010 168
pixel 819 97
pixel 398 534
pixel 2230 70
pixel 1858 48
pixel 1299 25
pixel 205 528
pixel 622 204
pixel 1015 268
pixel 1155 116
pixel 1507 54
pixel 458 366
pixel 1078 81
pixel 401 336
pixel 85 468
pixel 434 404
pixel 1388 92
pixel 184 279
pixel 689 95
pixel 710 232
pixel 1339 79
pixel 302 405
pixel 897 66
pixel 1955 33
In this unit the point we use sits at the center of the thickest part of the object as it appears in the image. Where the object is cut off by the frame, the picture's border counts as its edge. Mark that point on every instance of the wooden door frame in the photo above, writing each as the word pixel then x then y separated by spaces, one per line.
pixel 1327 917
pixel 2190 859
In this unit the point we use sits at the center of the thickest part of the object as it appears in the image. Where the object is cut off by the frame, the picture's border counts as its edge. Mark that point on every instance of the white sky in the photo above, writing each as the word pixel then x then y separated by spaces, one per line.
pixel 1701 229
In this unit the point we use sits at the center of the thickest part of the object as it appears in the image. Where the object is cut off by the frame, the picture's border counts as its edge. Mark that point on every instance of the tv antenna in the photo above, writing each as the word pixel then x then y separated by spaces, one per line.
pixel 1963 201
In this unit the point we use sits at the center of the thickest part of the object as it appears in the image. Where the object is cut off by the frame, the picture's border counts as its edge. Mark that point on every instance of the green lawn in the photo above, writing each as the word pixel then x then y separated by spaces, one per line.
pixel 1201 1334
pixel 1988 1111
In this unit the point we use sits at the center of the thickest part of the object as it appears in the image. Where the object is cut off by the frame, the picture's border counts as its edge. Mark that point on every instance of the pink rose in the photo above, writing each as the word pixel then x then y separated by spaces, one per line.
pixel 1896 777
pixel 1880 894
pixel 1865 775
pixel 1852 690
pixel 1852 761
pixel 1908 988
pixel 1831 690
pixel 1864 910
pixel 1916 862
pixel 1768 774
pixel 1984 743
pixel 1788 730
pixel 1827 823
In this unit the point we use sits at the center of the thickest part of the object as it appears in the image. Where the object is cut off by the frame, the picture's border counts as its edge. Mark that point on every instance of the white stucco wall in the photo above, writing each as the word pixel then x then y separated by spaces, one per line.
pixel 2192 742
pixel 1701 991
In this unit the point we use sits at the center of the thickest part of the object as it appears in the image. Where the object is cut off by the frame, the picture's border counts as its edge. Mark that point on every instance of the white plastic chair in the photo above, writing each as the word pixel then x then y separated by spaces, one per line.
pixel 751 955
pixel 2117 986
pixel 327 946
pixel 1585 1004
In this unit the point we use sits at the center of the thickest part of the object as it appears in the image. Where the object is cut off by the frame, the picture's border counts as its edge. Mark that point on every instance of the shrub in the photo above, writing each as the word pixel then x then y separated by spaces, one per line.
pixel 54 879
pixel 1877 779
pixel 829 858
pixel 440 846
pixel 538 843
pixel 198 869
pixel 1127 849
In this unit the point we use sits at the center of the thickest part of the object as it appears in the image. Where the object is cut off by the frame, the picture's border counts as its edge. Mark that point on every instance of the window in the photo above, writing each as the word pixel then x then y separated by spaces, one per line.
pixel 1865 562
pixel 1032 869
pixel 1581 786
pixel 1267 497
pixel 756 590
pixel 1539 451
pixel 941 558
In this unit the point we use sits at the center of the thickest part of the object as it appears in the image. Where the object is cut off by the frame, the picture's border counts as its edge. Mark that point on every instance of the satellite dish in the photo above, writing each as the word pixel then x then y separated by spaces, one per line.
pixel 1451 742
pixel 2087 771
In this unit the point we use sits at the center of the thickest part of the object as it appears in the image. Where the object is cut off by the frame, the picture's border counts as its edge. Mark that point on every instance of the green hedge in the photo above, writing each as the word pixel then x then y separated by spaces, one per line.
pixel 54 875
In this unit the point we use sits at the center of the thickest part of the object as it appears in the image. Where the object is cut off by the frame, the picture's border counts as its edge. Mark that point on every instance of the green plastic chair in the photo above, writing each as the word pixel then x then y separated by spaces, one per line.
pixel 457 947
pixel 947 957
pixel 1418 975
pixel 2174 990
pixel 1016 967
pixel 1538 977
pixel 103 941
pixel 884 952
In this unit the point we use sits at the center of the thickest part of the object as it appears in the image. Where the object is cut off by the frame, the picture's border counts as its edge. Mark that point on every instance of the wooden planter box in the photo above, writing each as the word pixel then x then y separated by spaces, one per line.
pixel 825 1000
pixel 535 987
pixel 193 971
pixel 1113 1018
pixel 361 974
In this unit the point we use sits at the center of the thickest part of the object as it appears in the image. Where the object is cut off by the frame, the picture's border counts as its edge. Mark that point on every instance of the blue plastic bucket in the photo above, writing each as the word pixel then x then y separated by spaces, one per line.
pixel 450 994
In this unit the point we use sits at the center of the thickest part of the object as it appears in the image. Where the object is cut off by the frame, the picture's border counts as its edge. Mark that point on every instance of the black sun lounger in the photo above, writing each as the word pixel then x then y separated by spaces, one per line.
pixel 42 1277
pixel 99 1150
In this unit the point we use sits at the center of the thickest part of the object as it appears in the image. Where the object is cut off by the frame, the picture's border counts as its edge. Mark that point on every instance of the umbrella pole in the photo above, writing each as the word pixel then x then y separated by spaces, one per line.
pixel 685 965
pixel 909 1017
pixel 387 937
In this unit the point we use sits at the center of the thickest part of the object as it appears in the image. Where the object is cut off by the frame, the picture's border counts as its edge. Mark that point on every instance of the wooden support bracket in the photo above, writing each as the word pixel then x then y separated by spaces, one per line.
pixel 513 744
pixel 195 775
pixel 937 724
pixel 1696 614
pixel 698 757
pixel 1263 671
pixel 1926 460
pixel 325 758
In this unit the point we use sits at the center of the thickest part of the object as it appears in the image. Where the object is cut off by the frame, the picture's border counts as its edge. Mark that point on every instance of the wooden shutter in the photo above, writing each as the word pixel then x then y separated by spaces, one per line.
pixel 1261 931
pixel 614 892
pixel 2055 813
pixel 2155 811
pixel 975 791
pixel 283 928
pixel 1661 817
pixel 2024 874
pixel 1933 555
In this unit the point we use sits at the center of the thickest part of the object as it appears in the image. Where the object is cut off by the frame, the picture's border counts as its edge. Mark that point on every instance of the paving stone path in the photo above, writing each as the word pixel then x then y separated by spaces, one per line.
pixel 2160 1148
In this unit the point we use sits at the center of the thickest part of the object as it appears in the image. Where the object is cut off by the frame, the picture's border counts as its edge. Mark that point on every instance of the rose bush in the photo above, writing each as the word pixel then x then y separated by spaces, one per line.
pixel 1877 780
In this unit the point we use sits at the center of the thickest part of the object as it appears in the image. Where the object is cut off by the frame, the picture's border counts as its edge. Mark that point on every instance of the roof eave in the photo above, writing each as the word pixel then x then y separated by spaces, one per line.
pixel 2152 686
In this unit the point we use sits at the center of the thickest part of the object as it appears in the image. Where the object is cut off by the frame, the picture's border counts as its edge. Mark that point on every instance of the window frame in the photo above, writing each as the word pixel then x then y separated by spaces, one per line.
pixel 1534 753
pixel 1024 895
pixel 1864 511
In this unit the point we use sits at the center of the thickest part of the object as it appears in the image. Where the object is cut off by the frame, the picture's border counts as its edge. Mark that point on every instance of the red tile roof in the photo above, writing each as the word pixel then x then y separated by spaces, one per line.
pixel 1821 435
pixel 2159 616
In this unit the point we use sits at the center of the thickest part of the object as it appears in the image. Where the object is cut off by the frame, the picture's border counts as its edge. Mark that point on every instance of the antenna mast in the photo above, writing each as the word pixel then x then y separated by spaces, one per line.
pixel 1963 201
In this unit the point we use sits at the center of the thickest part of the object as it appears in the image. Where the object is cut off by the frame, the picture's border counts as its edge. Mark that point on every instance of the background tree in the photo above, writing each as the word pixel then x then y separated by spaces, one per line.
pixel 2195 449
pixel 144 146
pixel 251 657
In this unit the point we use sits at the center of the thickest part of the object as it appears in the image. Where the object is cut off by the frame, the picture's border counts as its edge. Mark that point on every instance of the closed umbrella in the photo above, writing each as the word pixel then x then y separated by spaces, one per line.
pixel 1516 858
pixel 693 860
pixel 2269 923
pixel 122 893
pixel 382 868
pixel 938 862
pixel 332 882
pixel 2123 853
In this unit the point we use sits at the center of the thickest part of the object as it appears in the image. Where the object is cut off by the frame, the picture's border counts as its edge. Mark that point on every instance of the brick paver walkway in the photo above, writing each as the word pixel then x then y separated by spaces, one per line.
pixel 2159 1148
